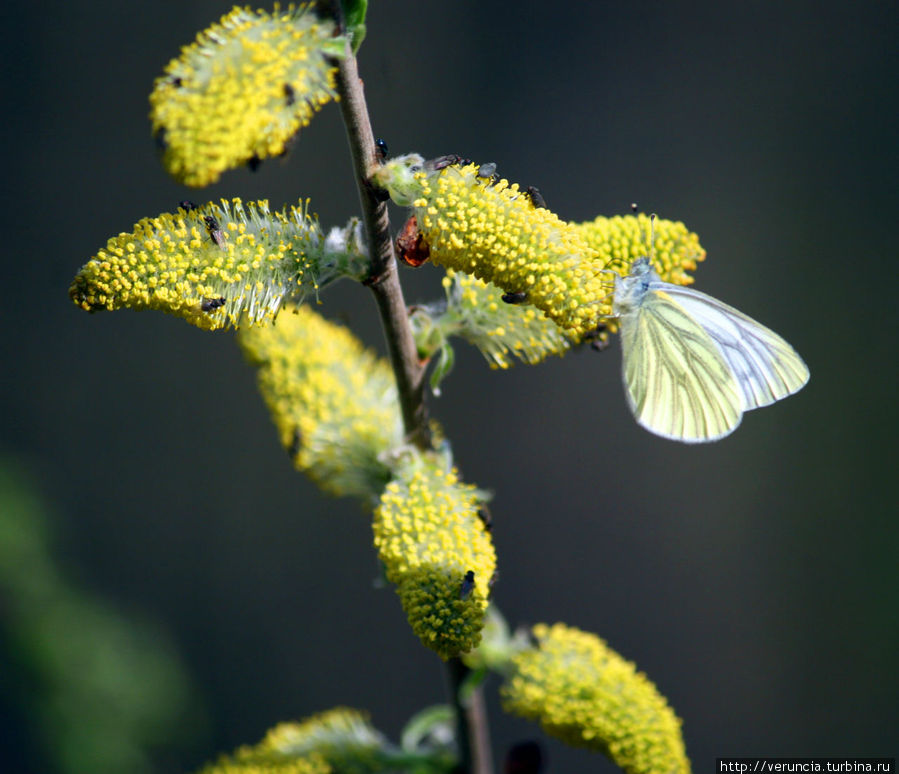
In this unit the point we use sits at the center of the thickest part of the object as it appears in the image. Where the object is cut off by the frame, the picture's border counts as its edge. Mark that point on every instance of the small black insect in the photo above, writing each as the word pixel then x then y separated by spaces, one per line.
pixel 295 444
pixel 487 170
pixel 536 198
pixel 595 338
pixel 381 150
pixel 187 205
pixel 467 585
pixel 254 162
pixel 211 304
pixel 441 162
pixel 595 333
pixel 214 230
pixel 290 96
pixel 515 298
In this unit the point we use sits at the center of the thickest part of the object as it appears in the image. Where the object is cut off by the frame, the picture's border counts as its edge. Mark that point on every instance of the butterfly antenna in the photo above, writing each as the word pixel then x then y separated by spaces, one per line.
pixel 652 238
pixel 635 208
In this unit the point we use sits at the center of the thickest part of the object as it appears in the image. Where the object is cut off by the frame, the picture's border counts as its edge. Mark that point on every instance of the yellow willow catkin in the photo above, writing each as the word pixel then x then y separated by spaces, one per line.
pixel 587 695
pixel 437 551
pixel 494 232
pixel 242 90
pixel 498 329
pixel 215 265
pixel 480 224
pixel 334 403
pixel 340 740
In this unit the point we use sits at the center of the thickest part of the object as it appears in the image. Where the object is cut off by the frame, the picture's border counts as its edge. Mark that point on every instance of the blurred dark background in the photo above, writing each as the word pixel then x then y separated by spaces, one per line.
pixel 755 580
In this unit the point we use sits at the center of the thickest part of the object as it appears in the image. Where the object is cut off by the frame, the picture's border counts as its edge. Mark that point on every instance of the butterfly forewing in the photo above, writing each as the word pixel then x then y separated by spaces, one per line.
pixel 765 367
pixel 678 383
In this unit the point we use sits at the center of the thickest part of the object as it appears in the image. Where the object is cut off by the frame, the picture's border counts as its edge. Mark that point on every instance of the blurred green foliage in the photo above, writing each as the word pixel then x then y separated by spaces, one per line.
pixel 97 691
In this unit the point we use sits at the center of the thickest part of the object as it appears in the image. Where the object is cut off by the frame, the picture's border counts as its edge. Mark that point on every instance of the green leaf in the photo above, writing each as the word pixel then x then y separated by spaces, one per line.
pixel 354 12
pixel 443 367
pixel 471 683
pixel 429 336
pixel 357 35
pixel 436 723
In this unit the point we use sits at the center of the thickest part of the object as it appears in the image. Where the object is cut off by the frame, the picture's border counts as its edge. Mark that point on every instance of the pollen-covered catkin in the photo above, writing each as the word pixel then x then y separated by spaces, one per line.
pixel 586 694
pixel 429 537
pixel 334 403
pixel 477 312
pixel 242 90
pixel 339 740
pixel 216 265
pixel 621 239
pixel 494 232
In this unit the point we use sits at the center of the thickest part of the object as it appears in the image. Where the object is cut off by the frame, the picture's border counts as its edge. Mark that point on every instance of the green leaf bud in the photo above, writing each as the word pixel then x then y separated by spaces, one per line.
pixel 401 177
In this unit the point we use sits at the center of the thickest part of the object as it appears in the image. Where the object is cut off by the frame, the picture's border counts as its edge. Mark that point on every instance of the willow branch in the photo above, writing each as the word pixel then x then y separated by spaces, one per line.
pixel 471 722
pixel 383 279
pixel 472 737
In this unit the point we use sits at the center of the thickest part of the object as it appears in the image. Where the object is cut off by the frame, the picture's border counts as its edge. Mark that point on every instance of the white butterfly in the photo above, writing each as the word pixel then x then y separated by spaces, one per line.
pixel 691 364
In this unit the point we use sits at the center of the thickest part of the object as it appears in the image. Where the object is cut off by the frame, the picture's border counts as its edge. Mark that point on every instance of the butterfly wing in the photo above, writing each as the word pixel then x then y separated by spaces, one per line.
pixel 765 367
pixel 677 382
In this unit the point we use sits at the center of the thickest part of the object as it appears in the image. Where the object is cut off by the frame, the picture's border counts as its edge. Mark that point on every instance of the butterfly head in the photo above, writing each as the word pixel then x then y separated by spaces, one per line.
pixel 630 291
pixel 641 267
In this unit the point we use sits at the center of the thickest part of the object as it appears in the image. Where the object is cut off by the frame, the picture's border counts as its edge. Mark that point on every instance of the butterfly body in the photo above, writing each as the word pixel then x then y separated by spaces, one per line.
pixel 692 364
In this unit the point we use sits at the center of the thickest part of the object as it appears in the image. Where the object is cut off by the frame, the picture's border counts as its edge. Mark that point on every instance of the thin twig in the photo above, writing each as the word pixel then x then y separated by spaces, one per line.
pixel 471 722
pixel 383 279
pixel 473 737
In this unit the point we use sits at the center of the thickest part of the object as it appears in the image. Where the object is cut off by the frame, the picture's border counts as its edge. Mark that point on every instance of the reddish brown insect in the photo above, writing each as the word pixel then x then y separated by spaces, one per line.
pixel 411 245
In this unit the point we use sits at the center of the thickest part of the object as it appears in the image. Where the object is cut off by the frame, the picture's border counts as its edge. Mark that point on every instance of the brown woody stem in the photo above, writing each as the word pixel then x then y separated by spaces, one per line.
pixel 383 280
